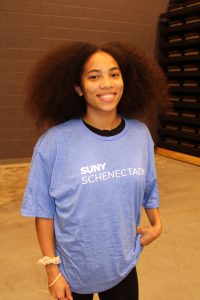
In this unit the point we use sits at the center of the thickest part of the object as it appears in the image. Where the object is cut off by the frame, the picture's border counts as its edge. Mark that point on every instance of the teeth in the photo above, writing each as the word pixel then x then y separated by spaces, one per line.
pixel 107 97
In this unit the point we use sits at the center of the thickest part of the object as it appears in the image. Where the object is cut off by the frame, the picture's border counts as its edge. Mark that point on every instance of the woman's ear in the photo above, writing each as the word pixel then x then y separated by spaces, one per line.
pixel 78 90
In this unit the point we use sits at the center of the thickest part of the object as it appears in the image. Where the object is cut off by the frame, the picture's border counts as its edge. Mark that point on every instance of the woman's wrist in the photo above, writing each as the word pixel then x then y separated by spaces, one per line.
pixel 55 280
pixel 158 228
pixel 47 260
pixel 52 272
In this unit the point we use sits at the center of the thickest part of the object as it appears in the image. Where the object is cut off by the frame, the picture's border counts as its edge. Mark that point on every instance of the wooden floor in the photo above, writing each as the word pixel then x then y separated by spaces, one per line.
pixel 194 160
pixel 168 269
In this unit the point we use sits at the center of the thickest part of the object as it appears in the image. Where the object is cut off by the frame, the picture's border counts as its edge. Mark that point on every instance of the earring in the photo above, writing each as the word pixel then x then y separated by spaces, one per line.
pixel 80 94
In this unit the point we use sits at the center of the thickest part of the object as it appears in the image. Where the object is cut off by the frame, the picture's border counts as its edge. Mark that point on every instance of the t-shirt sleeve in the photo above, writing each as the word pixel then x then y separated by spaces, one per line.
pixel 151 195
pixel 37 201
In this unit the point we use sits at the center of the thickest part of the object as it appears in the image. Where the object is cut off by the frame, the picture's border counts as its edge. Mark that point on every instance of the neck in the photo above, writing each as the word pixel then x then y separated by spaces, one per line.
pixel 104 121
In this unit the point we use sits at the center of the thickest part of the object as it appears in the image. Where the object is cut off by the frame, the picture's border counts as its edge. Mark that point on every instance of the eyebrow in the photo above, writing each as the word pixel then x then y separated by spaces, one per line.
pixel 96 70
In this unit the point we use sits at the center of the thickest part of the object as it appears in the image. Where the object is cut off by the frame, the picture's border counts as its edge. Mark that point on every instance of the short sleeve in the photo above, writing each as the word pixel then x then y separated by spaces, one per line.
pixel 151 195
pixel 37 201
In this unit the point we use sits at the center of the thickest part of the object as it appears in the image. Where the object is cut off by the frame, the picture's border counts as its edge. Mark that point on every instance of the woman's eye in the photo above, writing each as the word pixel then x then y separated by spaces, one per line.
pixel 93 77
pixel 115 75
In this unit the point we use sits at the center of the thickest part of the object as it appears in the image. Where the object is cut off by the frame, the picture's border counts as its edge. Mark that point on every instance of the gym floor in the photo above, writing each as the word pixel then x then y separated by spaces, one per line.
pixel 168 269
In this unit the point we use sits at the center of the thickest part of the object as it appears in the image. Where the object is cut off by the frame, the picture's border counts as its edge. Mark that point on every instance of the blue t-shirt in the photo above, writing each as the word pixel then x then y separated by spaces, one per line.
pixel 93 187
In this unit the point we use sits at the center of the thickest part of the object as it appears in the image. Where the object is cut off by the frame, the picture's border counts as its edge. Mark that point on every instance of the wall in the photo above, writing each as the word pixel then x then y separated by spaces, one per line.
pixel 29 28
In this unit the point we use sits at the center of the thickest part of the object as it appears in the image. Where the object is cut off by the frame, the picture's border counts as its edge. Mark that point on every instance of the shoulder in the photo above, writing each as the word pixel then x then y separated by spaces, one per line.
pixel 140 132
pixel 137 126
pixel 56 139
pixel 56 133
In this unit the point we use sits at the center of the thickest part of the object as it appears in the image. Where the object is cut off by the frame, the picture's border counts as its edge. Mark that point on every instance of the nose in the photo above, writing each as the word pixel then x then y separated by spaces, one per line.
pixel 106 83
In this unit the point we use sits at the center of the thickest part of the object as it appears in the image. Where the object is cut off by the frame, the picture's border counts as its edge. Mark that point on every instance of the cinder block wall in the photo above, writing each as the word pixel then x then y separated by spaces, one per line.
pixel 29 28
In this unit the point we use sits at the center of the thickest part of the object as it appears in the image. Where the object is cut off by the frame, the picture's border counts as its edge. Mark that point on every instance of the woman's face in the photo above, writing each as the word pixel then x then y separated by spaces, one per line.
pixel 101 83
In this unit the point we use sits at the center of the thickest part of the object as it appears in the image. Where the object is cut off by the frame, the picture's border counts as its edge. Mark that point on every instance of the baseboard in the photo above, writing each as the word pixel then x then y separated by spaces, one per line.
pixel 179 156
pixel 15 161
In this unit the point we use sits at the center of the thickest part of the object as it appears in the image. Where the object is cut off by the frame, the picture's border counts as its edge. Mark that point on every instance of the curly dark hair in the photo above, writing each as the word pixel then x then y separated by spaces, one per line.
pixel 52 99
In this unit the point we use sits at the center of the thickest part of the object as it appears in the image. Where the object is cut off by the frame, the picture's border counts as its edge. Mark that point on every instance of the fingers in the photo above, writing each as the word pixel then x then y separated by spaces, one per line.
pixel 148 234
pixel 65 298
pixel 61 290
pixel 68 294
pixel 144 241
pixel 140 230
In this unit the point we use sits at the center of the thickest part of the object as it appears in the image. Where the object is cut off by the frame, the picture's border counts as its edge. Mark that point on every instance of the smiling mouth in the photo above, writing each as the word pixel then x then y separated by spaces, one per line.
pixel 107 97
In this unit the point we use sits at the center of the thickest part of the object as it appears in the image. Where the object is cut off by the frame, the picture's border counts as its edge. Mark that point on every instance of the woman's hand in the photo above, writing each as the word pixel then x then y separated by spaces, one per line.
pixel 61 290
pixel 148 234
pixel 46 236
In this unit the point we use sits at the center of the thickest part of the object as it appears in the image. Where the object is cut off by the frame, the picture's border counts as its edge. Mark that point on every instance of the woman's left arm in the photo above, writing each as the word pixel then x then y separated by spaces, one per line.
pixel 150 233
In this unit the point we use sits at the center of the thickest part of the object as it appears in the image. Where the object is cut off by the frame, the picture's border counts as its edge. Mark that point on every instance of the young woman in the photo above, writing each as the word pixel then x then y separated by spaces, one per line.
pixel 93 170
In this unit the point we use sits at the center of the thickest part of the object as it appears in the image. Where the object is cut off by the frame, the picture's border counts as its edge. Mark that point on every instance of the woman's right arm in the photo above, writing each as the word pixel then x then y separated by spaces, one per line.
pixel 45 232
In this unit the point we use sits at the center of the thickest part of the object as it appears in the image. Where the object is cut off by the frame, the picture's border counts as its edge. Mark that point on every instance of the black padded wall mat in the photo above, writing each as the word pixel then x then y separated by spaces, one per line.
pixel 179 57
